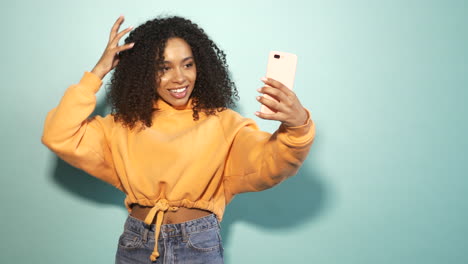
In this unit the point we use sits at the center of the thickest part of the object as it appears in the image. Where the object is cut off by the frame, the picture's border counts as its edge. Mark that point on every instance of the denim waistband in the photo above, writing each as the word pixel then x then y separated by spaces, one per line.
pixel 169 230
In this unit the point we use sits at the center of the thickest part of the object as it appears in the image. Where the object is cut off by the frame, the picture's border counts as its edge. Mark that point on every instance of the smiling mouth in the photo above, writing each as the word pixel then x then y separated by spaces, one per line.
pixel 178 90
pixel 179 93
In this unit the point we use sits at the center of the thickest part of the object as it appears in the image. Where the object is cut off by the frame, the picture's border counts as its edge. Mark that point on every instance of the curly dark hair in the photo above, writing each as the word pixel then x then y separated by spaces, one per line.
pixel 132 88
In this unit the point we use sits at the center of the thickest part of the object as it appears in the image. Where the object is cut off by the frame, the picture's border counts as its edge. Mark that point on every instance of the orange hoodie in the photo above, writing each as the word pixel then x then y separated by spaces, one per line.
pixel 177 162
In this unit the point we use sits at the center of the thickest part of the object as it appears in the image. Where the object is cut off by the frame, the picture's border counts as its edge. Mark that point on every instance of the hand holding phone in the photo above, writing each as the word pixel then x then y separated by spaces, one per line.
pixel 279 102
pixel 281 67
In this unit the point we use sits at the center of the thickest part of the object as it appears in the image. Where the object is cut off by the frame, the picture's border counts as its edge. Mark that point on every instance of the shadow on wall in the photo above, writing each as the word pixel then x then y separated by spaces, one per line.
pixel 85 186
pixel 297 200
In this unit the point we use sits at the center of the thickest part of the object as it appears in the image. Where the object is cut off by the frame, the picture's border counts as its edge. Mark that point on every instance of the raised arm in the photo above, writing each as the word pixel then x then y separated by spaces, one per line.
pixel 69 132
pixel 258 160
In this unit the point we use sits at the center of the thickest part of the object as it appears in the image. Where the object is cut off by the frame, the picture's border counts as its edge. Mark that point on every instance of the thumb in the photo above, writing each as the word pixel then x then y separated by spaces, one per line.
pixel 115 62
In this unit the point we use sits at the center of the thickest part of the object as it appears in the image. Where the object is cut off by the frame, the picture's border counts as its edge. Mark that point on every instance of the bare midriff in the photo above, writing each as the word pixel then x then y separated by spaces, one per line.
pixel 181 215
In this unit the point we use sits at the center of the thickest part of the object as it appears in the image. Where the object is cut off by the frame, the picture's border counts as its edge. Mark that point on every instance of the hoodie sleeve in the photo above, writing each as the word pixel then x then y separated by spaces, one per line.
pixel 258 160
pixel 79 140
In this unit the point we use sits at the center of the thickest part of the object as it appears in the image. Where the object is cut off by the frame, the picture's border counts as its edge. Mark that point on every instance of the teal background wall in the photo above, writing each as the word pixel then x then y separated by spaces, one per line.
pixel 386 83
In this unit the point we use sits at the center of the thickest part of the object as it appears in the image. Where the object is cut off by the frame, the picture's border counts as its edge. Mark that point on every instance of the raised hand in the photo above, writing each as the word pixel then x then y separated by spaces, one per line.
pixel 286 107
pixel 110 57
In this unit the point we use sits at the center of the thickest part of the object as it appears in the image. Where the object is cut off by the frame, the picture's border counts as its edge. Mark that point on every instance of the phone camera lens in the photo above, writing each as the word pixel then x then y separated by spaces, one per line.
pixel 277 56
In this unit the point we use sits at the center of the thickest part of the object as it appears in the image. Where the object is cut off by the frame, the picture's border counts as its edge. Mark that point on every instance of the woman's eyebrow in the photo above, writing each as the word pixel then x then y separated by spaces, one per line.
pixel 184 60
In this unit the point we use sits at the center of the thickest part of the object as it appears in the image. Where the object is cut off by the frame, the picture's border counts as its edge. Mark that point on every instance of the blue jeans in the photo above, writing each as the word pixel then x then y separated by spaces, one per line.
pixel 195 241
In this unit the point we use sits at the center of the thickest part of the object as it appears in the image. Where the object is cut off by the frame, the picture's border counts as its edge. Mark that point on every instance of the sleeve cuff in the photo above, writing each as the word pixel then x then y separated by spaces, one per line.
pixel 299 135
pixel 90 80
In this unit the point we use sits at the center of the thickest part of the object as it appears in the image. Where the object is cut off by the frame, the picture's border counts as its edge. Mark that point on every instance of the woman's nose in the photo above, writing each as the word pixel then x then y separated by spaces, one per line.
pixel 179 76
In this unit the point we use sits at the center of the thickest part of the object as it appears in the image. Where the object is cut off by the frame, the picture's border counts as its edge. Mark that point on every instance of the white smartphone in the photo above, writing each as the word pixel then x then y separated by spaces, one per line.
pixel 281 67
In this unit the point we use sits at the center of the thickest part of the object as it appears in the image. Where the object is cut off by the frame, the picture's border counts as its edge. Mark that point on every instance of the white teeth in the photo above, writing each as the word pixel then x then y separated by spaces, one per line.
pixel 178 90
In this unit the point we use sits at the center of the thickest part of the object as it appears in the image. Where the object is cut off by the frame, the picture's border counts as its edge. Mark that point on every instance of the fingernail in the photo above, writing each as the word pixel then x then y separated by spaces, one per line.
pixel 259 89
pixel 257 113
pixel 132 44
pixel 263 79
pixel 258 98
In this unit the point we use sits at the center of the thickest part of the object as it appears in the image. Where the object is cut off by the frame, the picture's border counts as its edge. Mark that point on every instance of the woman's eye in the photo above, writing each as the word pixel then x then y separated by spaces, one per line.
pixel 165 69
pixel 189 65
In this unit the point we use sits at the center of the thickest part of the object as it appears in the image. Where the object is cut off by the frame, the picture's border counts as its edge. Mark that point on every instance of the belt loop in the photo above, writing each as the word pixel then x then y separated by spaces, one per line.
pixel 145 234
pixel 184 233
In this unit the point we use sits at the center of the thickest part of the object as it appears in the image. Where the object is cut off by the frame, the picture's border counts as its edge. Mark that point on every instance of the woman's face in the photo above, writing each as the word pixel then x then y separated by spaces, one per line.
pixel 178 74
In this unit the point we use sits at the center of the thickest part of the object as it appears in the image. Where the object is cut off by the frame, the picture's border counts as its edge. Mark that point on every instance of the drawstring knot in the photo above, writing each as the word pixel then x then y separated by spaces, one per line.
pixel 158 211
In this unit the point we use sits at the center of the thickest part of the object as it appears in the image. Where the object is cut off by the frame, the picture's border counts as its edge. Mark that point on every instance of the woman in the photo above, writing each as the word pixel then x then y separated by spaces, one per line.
pixel 171 143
